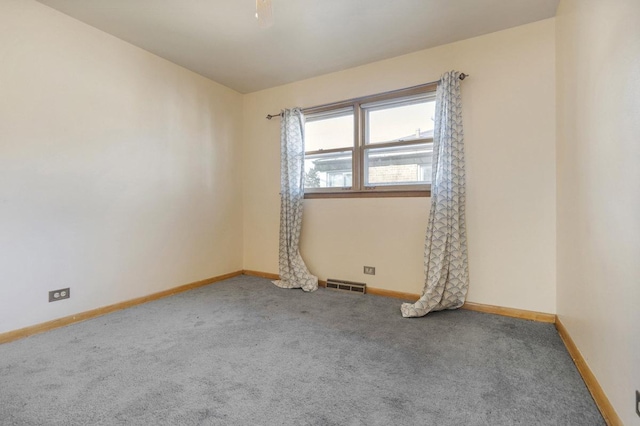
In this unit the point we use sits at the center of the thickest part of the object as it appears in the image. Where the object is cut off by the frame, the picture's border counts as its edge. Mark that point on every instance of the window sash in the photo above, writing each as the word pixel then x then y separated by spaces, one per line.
pixel 389 105
pixel 393 155
pixel 324 175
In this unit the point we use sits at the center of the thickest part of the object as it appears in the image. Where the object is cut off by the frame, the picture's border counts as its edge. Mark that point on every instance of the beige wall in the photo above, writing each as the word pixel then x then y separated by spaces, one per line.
pixel 119 171
pixel 598 80
pixel 509 117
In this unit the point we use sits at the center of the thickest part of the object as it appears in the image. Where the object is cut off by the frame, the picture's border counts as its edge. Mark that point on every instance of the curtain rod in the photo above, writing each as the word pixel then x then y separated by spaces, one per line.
pixel 462 76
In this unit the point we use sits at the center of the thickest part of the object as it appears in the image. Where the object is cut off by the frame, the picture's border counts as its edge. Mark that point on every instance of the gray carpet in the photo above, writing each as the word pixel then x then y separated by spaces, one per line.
pixel 244 352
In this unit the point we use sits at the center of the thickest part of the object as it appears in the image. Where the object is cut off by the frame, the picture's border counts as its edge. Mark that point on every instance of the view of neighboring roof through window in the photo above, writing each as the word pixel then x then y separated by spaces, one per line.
pixel 375 146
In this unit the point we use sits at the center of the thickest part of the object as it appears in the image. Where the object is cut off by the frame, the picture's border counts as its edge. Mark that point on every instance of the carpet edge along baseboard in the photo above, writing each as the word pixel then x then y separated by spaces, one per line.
pixel 82 316
pixel 471 306
pixel 602 402
pixel 93 313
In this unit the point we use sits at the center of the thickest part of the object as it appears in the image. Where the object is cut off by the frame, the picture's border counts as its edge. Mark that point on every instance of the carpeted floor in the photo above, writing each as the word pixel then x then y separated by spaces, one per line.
pixel 244 352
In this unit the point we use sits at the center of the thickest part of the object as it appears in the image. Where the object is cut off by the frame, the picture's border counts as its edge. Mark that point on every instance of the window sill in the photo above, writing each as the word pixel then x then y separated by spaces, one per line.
pixel 369 194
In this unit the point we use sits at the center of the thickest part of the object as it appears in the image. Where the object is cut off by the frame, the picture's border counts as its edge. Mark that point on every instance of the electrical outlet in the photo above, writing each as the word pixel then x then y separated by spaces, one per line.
pixel 63 293
pixel 638 403
pixel 370 270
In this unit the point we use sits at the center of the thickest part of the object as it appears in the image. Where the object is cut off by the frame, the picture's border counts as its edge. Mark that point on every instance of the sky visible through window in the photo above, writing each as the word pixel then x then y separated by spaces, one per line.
pixel 404 122
pixel 388 124
pixel 335 132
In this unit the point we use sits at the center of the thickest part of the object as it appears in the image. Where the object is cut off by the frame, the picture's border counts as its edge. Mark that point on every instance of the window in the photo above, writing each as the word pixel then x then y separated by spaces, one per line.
pixel 375 146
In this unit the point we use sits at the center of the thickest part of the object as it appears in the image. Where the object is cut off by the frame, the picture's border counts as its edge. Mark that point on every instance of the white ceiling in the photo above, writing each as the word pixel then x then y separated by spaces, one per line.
pixel 220 39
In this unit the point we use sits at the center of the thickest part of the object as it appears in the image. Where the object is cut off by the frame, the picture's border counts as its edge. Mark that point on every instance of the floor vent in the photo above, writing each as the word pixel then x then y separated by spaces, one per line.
pixel 346 286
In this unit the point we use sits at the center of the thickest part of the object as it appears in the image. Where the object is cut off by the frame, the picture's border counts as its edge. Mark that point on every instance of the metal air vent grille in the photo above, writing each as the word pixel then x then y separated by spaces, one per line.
pixel 346 286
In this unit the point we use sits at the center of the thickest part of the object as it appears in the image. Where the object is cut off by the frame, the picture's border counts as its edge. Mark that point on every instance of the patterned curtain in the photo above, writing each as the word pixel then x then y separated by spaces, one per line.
pixel 293 271
pixel 445 251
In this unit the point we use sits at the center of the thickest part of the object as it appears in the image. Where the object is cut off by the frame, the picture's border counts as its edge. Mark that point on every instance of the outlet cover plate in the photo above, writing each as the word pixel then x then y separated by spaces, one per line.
pixel 370 270
pixel 63 293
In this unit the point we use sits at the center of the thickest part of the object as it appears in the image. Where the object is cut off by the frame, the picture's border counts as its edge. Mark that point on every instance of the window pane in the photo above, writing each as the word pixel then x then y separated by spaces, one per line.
pixel 332 170
pixel 401 122
pixel 398 165
pixel 329 130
